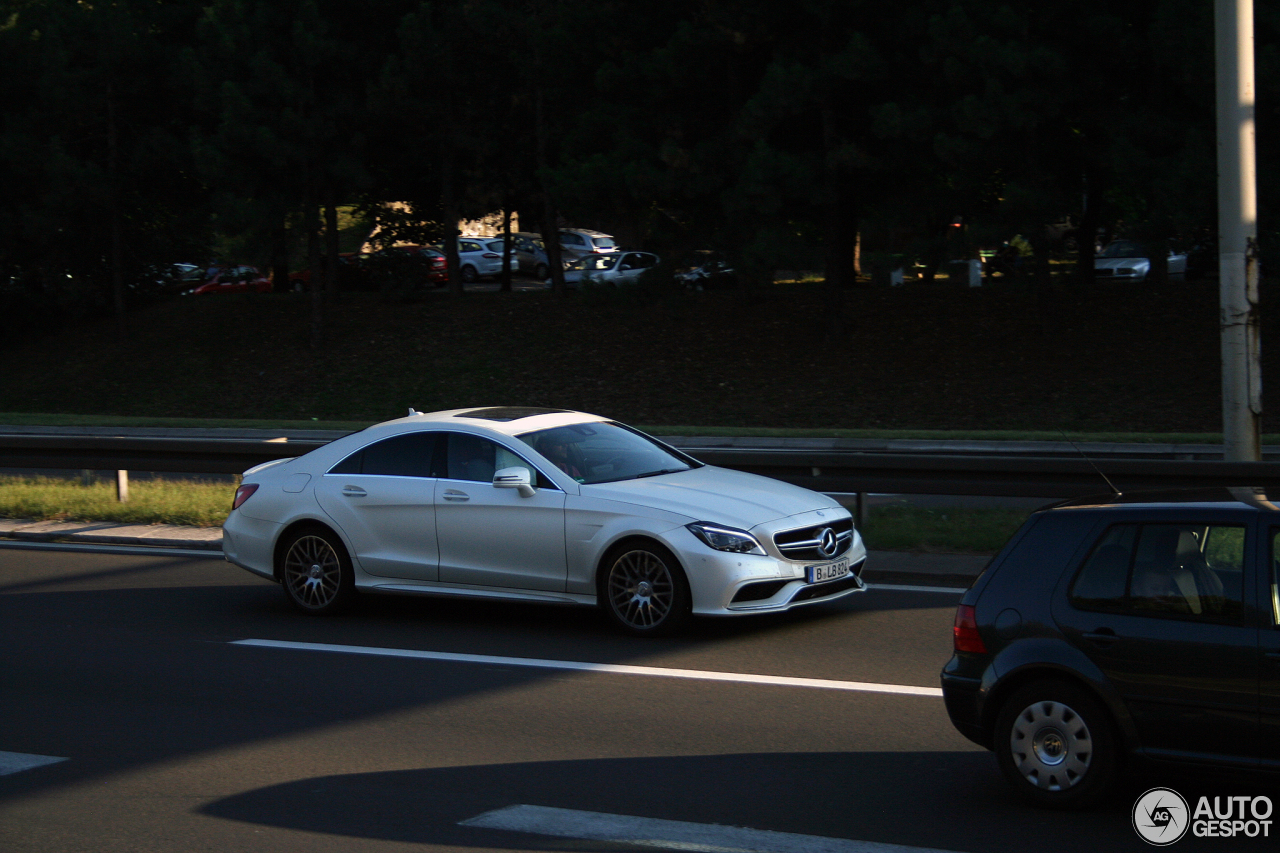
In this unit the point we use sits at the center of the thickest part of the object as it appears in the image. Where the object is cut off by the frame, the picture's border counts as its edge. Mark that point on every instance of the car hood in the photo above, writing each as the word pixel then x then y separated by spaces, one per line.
pixel 1120 263
pixel 714 494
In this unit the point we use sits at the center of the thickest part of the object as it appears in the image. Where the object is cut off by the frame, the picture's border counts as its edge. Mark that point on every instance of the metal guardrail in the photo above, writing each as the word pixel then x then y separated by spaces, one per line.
pixel 830 471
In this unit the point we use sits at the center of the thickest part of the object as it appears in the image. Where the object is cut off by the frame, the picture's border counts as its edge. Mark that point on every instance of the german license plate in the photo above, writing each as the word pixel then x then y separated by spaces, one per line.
pixel 827 571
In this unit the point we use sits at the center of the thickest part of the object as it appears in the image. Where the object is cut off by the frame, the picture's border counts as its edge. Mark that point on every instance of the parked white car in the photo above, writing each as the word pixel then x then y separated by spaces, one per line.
pixel 613 268
pixel 477 259
pixel 538 505
pixel 1128 260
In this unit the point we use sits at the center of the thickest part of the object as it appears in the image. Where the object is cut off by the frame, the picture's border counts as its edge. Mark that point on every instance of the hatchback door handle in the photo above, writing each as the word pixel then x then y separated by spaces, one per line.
pixel 353 492
pixel 1102 637
pixel 456 496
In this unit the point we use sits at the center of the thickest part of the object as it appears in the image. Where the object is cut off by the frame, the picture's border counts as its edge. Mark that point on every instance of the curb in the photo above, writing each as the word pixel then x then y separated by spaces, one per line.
pixel 109 533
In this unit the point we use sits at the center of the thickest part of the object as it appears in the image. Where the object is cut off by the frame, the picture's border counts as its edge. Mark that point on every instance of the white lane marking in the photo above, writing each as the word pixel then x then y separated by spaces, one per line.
pixel 617 669
pixel 16 762
pixel 671 834
pixel 906 588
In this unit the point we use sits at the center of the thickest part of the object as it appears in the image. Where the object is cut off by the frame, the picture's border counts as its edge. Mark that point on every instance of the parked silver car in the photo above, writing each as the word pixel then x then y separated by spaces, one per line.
pixel 577 242
pixel 538 505
pixel 613 268
pixel 1130 261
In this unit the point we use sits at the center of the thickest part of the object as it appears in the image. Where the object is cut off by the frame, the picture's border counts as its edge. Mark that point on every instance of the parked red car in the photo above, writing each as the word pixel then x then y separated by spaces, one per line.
pixel 351 274
pixel 240 279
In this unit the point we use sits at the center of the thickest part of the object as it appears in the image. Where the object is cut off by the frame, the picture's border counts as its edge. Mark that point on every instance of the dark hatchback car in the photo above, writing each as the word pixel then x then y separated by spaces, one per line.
pixel 1126 626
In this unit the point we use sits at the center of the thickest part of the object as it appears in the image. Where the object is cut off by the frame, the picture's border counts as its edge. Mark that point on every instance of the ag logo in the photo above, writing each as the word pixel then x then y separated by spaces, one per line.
pixel 1161 817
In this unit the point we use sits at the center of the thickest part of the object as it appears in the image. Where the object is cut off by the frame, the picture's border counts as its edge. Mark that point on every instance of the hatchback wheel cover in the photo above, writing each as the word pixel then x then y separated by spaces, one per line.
pixel 1051 745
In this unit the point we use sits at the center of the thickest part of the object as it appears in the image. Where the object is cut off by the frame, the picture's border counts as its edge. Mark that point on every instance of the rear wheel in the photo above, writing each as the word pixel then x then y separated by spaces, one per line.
pixel 643 589
pixel 316 572
pixel 1055 744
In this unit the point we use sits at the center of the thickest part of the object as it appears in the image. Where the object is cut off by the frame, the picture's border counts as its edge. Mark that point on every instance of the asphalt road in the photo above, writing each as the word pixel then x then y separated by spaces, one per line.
pixel 817 730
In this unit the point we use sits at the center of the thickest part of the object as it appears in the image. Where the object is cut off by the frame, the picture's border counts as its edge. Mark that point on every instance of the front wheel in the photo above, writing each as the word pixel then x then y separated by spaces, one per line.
pixel 643 590
pixel 469 274
pixel 1055 744
pixel 540 272
pixel 316 573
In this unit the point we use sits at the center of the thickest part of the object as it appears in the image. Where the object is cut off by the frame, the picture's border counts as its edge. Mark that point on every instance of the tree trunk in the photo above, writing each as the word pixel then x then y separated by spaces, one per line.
pixel 505 285
pixel 1087 232
pixel 314 284
pixel 331 245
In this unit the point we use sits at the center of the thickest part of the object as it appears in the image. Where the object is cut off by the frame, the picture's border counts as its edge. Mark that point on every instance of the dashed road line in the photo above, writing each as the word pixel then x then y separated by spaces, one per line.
pixel 16 762
pixel 670 834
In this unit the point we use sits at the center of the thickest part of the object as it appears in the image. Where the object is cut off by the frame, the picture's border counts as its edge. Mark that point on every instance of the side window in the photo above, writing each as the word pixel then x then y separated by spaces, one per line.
pixel 477 459
pixel 1180 571
pixel 1103 581
pixel 471 458
pixel 410 455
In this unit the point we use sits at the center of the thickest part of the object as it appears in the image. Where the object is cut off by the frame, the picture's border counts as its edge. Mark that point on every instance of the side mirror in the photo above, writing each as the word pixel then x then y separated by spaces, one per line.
pixel 519 479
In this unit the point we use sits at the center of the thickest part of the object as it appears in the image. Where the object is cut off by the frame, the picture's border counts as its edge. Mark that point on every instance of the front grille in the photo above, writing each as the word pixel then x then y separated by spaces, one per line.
pixel 802 545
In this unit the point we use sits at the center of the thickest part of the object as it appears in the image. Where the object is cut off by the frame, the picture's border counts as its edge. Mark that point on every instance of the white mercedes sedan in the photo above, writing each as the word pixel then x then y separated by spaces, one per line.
pixel 538 505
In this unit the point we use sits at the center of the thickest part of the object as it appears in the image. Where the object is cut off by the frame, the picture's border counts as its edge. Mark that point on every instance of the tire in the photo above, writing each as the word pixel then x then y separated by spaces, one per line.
pixel 316 572
pixel 1055 744
pixel 541 272
pixel 469 275
pixel 643 590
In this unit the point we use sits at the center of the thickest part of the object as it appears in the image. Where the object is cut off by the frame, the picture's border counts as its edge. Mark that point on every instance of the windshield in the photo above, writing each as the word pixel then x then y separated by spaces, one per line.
pixel 1123 249
pixel 606 453
pixel 603 244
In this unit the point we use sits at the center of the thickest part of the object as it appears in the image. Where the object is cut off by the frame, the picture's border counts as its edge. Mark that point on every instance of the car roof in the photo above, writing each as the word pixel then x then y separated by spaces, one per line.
pixel 508 420
pixel 1236 497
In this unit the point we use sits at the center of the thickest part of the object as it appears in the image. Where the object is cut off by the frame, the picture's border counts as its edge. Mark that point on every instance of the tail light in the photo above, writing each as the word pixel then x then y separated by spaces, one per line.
pixel 491 255
pixel 243 494
pixel 965 632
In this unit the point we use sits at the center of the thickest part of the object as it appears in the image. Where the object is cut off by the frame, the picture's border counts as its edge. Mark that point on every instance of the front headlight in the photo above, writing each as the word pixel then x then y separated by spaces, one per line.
pixel 725 538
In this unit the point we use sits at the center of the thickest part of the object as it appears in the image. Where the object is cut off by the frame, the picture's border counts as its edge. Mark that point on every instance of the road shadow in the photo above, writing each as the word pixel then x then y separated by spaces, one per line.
pixel 939 800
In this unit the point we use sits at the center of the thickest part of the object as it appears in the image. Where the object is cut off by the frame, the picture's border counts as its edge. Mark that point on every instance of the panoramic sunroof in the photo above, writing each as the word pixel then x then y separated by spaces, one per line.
pixel 508 413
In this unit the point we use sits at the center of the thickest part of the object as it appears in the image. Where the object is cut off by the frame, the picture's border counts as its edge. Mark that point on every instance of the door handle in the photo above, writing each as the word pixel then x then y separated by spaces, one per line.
pixel 353 492
pixel 456 496
pixel 1101 636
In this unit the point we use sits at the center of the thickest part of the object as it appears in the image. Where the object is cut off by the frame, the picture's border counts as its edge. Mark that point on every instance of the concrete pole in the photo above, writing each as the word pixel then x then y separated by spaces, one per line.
pixel 1238 232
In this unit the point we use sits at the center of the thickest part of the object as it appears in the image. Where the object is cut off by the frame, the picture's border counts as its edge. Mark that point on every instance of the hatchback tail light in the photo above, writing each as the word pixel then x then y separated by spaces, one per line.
pixel 965 632
pixel 491 255
pixel 243 494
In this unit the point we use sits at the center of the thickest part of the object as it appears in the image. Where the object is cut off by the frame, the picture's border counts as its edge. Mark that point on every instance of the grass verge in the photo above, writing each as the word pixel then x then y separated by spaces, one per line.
pixel 951 530
pixel 184 502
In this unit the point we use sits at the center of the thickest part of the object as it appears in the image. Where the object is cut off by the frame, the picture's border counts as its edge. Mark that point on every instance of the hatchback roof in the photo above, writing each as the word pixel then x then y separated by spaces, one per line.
pixel 1240 496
